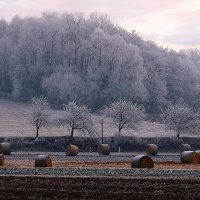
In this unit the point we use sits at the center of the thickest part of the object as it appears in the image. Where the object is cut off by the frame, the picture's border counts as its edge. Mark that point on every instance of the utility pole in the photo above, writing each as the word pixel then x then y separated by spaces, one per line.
pixel 102 130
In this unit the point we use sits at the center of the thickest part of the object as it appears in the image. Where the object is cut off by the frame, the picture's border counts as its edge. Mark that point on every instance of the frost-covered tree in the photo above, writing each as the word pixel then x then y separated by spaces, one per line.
pixel 155 81
pixel 180 118
pixel 77 117
pixel 14 29
pixel 74 29
pixel 93 61
pixel 65 86
pixel 3 28
pixel 40 113
pixel 155 102
pixel 124 114
pixel 116 69
pixel 5 65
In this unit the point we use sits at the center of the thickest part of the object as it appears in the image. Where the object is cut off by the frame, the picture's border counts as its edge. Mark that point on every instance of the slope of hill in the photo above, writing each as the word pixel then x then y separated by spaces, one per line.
pixel 14 122
pixel 91 60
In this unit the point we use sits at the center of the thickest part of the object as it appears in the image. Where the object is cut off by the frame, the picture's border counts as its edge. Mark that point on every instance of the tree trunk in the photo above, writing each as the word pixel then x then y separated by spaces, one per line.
pixel 119 137
pixel 37 132
pixel 178 135
pixel 120 131
pixel 71 140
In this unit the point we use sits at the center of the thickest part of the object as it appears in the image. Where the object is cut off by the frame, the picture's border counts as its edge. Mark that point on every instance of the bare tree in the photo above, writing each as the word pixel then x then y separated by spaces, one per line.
pixel 124 114
pixel 40 113
pixel 78 117
pixel 181 118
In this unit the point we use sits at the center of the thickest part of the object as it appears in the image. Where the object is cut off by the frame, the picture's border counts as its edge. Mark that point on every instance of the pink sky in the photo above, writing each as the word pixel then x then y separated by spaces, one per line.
pixel 171 23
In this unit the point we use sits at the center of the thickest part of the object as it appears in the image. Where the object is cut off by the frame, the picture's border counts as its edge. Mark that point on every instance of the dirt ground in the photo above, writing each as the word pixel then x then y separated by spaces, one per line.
pixel 16 187
pixel 63 164
pixel 72 188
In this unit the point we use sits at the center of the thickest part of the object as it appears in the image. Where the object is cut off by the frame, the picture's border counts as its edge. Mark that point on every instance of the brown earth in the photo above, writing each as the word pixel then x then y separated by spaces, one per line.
pixel 41 187
pixel 157 165
pixel 48 187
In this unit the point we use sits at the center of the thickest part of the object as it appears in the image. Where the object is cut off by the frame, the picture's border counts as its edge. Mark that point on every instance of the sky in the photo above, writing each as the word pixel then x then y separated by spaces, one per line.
pixel 169 23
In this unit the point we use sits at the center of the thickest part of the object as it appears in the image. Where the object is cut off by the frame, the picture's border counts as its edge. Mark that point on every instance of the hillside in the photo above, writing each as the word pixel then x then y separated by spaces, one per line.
pixel 93 61
pixel 14 122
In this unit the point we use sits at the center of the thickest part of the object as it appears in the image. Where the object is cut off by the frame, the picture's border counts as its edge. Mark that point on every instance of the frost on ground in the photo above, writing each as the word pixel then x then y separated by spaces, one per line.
pixel 14 122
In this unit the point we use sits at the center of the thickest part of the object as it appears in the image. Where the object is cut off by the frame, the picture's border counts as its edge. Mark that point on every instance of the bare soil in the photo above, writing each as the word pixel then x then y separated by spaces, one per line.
pixel 51 187
pixel 16 187
pixel 124 164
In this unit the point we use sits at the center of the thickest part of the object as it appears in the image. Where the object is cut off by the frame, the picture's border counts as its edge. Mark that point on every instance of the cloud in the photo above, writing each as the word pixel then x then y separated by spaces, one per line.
pixel 186 36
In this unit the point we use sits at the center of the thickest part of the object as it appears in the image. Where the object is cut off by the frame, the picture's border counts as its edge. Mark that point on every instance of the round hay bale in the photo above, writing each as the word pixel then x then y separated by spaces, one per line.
pixel 103 149
pixel 5 148
pixel 142 161
pixel 152 149
pixel 189 157
pixel 1 160
pixel 43 161
pixel 72 150
pixel 185 147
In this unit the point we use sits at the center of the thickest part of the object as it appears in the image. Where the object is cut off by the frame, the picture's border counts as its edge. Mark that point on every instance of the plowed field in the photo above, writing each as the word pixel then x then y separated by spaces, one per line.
pixel 97 188
pixel 89 176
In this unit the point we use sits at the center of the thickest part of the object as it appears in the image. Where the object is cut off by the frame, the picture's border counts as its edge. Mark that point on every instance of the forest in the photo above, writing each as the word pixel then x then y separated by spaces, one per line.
pixel 93 61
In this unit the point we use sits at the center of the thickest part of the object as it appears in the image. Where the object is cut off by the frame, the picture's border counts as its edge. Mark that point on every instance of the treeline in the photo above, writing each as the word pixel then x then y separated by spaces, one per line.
pixel 93 61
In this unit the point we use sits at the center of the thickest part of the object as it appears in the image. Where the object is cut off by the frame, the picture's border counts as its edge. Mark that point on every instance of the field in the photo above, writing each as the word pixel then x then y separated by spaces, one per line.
pixel 94 160
pixel 14 123
pixel 90 176
pixel 38 187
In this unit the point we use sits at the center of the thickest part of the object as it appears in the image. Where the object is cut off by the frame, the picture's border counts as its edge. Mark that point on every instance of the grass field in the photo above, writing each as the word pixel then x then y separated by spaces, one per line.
pixel 14 122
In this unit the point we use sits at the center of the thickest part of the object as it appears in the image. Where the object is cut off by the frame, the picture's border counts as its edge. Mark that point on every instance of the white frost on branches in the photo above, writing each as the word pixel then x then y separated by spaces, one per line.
pixel 78 117
pixel 181 118
pixel 124 114
pixel 40 113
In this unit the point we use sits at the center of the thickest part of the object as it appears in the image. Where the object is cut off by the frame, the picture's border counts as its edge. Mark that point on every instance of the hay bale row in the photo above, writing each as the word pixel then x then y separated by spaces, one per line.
pixel 142 161
pixel 72 150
